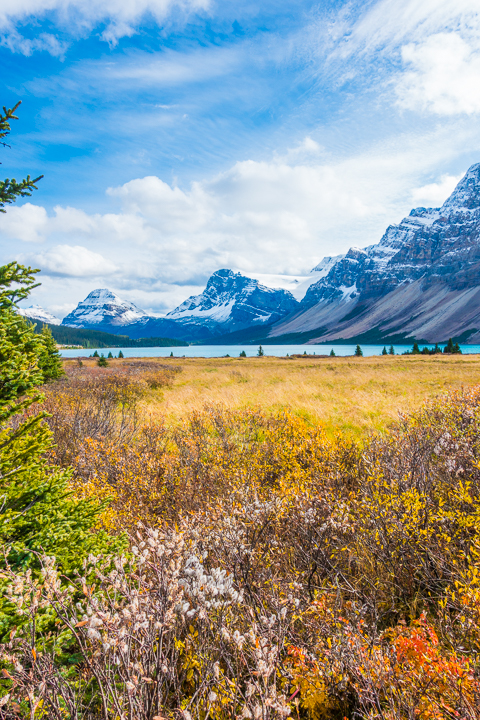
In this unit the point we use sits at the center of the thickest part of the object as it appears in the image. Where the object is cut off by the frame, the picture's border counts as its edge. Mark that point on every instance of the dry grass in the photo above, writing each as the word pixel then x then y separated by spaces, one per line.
pixel 349 394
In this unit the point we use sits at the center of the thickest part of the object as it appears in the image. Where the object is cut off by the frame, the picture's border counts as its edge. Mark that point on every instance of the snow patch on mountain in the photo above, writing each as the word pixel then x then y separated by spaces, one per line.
pixel 39 314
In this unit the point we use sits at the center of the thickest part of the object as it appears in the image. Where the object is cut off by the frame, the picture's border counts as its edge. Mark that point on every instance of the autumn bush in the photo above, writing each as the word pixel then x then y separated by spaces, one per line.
pixel 272 570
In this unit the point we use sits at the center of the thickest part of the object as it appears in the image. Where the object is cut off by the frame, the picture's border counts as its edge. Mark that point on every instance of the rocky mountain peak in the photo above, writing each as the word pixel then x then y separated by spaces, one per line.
pixel 103 307
pixel 232 301
pixel 466 195
pixel 432 256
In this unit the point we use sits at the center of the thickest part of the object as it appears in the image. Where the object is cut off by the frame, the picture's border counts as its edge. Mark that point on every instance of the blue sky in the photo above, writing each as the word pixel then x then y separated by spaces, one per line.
pixel 180 137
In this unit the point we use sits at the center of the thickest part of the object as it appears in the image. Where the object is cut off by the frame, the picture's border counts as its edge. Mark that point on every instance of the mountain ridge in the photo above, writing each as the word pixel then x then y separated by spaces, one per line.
pixel 421 280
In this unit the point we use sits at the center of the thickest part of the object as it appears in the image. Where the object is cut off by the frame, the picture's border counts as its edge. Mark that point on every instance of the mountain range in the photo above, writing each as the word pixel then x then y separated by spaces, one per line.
pixel 421 281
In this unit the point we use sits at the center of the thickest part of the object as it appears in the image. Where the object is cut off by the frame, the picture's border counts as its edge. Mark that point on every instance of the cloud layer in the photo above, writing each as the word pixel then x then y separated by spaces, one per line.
pixel 79 17
pixel 277 217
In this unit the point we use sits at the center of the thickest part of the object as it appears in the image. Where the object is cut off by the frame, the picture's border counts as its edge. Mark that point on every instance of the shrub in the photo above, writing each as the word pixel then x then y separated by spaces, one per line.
pixel 277 570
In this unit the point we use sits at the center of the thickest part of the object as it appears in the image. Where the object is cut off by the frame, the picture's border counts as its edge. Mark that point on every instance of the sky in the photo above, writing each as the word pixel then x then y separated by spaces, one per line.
pixel 178 137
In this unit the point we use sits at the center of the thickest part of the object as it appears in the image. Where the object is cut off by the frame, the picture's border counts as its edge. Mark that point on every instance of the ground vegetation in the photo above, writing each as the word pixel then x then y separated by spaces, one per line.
pixel 274 569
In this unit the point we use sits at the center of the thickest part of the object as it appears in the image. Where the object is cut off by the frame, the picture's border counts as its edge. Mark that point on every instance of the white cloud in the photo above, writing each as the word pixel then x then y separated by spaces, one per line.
pixel 279 216
pixel 387 24
pixel 80 16
pixel 435 194
pixel 27 223
pixel 70 260
pixel 443 76
pixel 172 68
pixel 47 42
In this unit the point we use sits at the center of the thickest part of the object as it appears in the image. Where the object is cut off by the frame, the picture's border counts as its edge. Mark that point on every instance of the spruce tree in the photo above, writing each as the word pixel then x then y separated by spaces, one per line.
pixel 95 354
pixel 38 512
pixel 384 351
pixel 120 354
pixel 260 352
pixel 102 361
pixel 415 349
pixel 49 361
pixel 243 354
pixel 332 353
pixel 358 351
pixel 392 350
pixel 110 356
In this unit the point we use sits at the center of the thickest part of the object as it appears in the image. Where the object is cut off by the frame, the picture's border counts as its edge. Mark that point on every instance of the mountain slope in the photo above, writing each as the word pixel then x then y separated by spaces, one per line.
pixel 421 280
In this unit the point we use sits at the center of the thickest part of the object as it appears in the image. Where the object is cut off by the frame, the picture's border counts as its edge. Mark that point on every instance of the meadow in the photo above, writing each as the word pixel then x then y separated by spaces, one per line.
pixel 274 538
pixel 354 395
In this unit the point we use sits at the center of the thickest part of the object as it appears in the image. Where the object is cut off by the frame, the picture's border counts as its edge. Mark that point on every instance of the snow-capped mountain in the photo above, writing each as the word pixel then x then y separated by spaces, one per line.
pixel 421 280
pixel 230 302
pixel 103 308
pixel 38 314
pixel 233 302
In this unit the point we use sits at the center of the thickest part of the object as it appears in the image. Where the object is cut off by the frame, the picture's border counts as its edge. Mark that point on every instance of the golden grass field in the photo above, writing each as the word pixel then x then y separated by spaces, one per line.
pixel 349 394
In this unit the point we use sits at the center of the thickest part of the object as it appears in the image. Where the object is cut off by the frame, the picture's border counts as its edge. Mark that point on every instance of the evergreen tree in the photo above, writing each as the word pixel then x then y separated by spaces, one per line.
pixel 449 347
pixel 384 351
pixel 392 350
pixel 260 352
pixel 95 354
pixel 102 361
pixel 358 351
pixel 50 361
pixel 120 354
pixel 415 349
pixel 171 354
pixel 38 512
pixel 243 354
pixel 332 353
pixel 457 350
pixel 110 356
